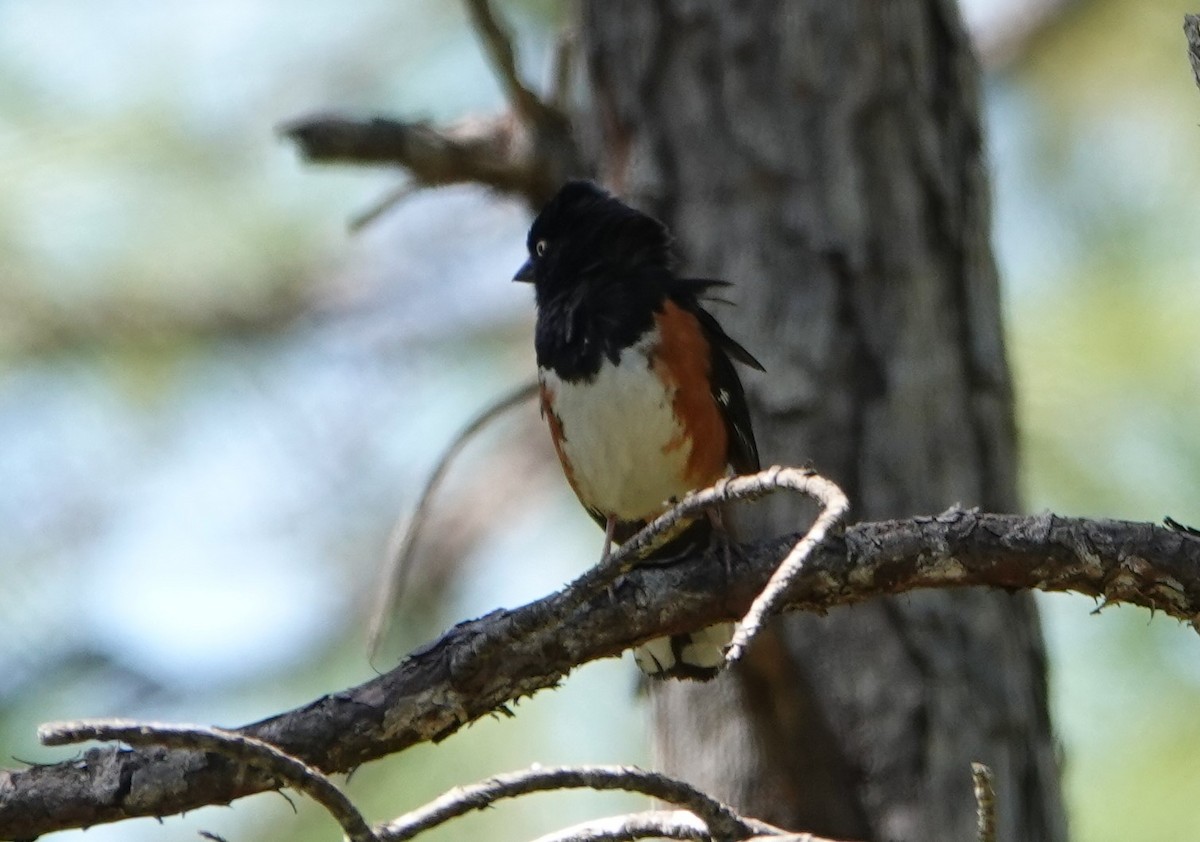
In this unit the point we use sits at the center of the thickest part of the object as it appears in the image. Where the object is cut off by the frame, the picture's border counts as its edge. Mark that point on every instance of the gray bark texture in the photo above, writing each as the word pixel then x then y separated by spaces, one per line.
pixel 827 157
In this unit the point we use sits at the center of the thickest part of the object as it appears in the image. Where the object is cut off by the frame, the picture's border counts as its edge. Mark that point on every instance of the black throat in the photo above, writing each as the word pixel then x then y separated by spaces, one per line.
pixel 596 318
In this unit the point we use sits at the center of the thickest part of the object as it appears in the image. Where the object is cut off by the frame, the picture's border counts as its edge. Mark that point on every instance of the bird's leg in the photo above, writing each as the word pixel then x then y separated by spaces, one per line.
pixel 610 527
pixel 723 537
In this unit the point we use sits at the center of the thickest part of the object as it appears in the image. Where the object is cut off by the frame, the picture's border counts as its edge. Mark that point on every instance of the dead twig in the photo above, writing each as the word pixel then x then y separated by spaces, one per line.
pixel 497 41
pixel 985 802
pixel 238 747
pixel 651 824
pixel 381 206
pixel 527 151
pixel 834 505
pixel 561 69
pixel 720 821
pixel 407 531
pixel 664 824
pixel 1191 31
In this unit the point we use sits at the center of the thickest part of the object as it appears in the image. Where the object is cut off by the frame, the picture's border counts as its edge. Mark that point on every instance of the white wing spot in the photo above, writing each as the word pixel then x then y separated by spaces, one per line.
pixel 723 397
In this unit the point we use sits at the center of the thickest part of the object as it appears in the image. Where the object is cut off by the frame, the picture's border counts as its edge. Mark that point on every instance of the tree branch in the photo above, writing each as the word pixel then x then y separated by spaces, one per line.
pixel 719 820
pixel 498 42
pixel 529 151
pixel 239 747
pixel 1191 31
pixel 663 824
pixel 406 532
pixel 480 665
pixel 985 803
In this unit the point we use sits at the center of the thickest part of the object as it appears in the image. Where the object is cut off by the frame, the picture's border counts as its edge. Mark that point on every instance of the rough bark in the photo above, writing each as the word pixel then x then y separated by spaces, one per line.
pixel 479 666
pixel 827 157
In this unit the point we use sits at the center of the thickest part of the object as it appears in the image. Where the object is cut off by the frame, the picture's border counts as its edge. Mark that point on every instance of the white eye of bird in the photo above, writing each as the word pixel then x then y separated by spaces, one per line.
pixel 540 248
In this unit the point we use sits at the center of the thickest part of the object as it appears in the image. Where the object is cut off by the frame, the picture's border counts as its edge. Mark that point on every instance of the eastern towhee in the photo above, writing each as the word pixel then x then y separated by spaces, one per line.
pixel 637 384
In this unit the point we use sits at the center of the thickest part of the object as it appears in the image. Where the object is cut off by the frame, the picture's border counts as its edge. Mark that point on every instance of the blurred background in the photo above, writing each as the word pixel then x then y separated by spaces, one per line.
pixel 215 399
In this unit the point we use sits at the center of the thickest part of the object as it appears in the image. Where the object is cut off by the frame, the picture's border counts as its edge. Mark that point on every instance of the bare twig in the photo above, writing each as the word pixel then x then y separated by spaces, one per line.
pixel 407 531
pixel 238 747
pixel 720 820
pixel 663 824
pixel 651 824
pixel 625 557
pixel 834 506
pixel 560 69
pixel 482 151
pixel 381 206
pixel 985 802
pixel 497 40
pixel 1191 31
pixel 527 151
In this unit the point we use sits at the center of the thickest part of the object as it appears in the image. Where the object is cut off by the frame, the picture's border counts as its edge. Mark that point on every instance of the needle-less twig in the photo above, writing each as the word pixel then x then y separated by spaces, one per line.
pixel 406 532
pixel 560 69
pixel 239 747
pixel 651 824
pixel 663 824
pixel 497 40
pixel 1191 30
pixel 985 802
pixel 721 822
pixel 834 507
pixel 381 206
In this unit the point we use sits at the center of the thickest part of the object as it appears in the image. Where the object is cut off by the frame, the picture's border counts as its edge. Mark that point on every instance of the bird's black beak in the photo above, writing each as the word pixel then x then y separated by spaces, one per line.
pixel 525 273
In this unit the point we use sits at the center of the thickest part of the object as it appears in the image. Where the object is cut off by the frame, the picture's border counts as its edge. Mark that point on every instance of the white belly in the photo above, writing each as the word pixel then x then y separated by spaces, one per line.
pixel 620 436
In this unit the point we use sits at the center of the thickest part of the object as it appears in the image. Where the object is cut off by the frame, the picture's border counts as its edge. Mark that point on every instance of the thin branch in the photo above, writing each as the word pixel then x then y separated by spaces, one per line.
pixel 1191 31
pixel 407 532
pixel 663 824
pixel 834 506
pixel 565 47
pixel 721 821
pixel 481 665
pixel 497 40
pixel 985 802
pixel 475 150
pixel 651 824
pixel 238 747
pixel 380 206
pixel 625 558
pixel 528 151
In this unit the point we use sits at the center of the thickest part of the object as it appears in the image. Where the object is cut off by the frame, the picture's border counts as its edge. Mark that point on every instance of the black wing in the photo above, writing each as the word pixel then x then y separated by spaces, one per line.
pixel 726 385
pixel 729 394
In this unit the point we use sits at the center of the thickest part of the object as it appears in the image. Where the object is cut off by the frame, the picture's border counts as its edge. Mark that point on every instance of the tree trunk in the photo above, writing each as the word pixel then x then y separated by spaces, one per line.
pixel 826 156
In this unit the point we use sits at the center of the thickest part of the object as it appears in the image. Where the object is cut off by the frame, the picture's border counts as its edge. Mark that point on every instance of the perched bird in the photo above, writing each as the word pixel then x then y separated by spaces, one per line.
pixel 638 385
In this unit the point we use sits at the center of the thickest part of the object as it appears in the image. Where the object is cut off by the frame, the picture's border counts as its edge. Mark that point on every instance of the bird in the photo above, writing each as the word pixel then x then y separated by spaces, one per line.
pixel 638 385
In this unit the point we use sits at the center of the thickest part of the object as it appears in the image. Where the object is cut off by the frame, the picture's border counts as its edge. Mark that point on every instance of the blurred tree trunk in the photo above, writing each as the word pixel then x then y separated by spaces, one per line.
pixel 827 157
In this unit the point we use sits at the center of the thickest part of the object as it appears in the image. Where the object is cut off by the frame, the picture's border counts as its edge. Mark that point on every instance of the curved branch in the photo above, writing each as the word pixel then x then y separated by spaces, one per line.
pixel 1191 31
pixel 497 40
pixel 406 533
pixel 239 747
pixel 460 677
pixel 528 151
pixel 719 819
pixel 651 824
